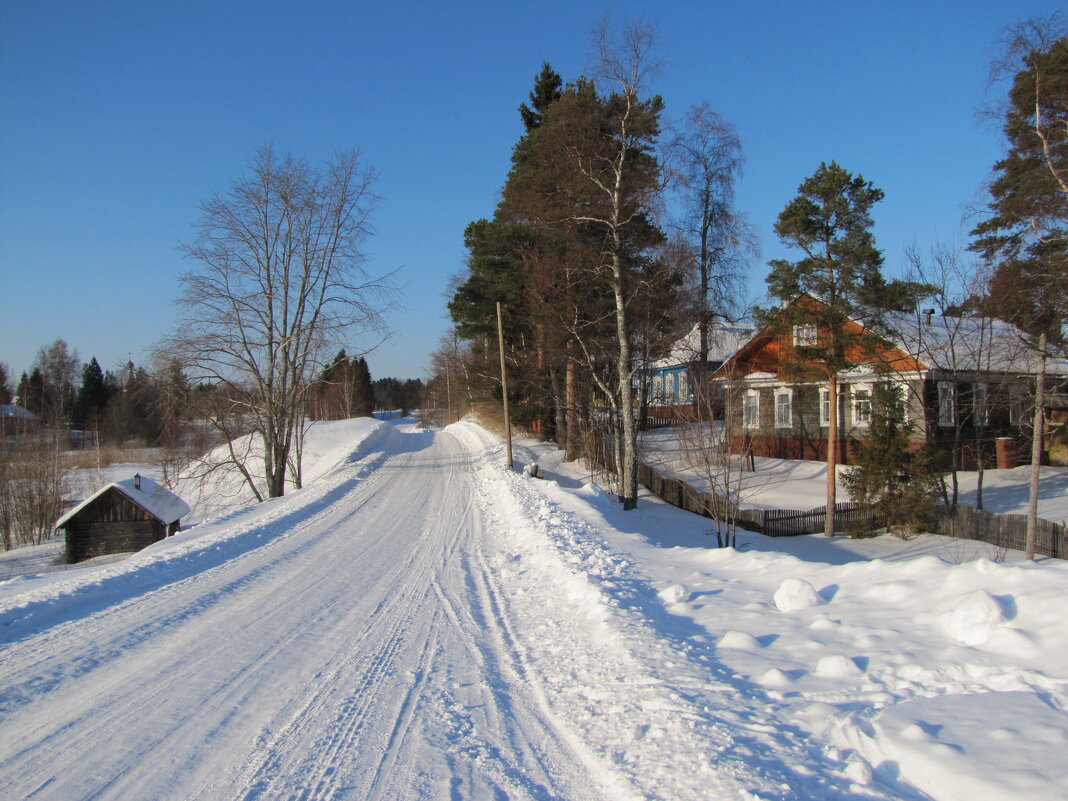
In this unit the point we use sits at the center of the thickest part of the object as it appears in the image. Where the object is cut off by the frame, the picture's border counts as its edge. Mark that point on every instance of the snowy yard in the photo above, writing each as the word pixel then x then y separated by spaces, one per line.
pixel 797 484
pixel 421 623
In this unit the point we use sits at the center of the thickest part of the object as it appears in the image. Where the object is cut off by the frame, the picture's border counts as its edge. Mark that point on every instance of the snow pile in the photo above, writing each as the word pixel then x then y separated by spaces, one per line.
pixel 795 594
pixel 975 618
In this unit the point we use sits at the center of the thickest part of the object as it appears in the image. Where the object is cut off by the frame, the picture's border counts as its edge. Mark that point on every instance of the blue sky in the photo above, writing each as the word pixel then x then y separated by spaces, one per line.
pixel 118 118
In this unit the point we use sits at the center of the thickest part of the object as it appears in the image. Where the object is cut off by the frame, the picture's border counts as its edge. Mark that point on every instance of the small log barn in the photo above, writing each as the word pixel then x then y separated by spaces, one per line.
pixel 122 517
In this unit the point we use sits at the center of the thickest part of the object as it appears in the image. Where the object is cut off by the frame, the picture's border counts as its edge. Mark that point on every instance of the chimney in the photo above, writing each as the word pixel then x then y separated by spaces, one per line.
pixel 137 481
pixel 928 313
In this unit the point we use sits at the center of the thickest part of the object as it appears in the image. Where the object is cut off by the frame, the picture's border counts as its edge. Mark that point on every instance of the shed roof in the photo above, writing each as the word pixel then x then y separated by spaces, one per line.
pixel 157 500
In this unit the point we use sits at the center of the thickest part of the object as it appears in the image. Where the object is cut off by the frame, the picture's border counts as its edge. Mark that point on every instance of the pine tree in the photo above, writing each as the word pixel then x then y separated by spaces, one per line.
pixel 830 223
pixel 93 397
pixel 363 393
pixel 6 393
pixel 1026 237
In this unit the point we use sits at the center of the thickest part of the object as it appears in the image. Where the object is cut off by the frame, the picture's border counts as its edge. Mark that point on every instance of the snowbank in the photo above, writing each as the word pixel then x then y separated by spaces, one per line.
pixel 916 666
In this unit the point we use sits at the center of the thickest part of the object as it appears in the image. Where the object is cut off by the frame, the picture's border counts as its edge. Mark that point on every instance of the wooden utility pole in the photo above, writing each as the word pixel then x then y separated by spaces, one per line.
pixel 504 386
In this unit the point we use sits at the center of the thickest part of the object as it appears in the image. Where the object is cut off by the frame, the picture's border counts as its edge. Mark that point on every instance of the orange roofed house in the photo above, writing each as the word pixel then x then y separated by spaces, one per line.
pixel 967 382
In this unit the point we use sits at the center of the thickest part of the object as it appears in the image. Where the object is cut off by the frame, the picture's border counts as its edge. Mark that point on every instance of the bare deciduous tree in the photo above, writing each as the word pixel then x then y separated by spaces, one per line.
pixel 704 158
pixel 706 449
pixel 280 282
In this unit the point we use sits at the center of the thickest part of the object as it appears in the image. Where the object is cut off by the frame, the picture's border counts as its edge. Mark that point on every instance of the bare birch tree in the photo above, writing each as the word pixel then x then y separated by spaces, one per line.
pixel 280 281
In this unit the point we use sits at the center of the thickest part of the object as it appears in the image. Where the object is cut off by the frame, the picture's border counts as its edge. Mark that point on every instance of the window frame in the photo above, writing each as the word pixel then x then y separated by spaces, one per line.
pixel 784 392
pixel 1017 405
pixel 856 404
pixel 751 400
pixel 947 404
pixel 806 335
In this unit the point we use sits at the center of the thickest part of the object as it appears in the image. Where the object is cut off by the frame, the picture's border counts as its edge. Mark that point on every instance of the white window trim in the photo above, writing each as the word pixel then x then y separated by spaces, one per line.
pixel 684 387
pixel 806 335
pixel 1017 405
pixel 787 393
pixel 869 388
pixel 825 407
pixel 945 391
pixel 755 395
pixel 980 405
pixel 658 387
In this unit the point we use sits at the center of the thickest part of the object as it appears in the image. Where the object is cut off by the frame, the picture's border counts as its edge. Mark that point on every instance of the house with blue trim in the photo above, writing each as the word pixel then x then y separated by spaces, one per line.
pixel 669 382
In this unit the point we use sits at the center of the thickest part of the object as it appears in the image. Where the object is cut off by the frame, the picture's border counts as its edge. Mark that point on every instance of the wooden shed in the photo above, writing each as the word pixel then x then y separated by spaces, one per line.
pixel 122 517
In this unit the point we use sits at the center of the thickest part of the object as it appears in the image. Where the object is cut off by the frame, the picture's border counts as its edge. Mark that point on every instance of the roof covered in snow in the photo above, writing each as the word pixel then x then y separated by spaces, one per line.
pixel 724 340
pixel 965 344
pixel 16 412
pixel 157 500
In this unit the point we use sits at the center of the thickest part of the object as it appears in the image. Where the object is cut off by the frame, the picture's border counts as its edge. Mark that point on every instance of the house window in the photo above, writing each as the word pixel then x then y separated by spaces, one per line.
pixel 825 407
pixel 684 387
pixel 751 409
pixel 658 387
pixel 1017 399
pixel 981 411
pixel 861 405
pixel 947 411
pixel 669 388
pixel 805 335
pixel 783 408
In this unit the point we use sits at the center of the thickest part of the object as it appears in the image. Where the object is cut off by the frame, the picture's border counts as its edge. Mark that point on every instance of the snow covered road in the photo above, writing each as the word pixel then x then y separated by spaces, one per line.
pixel 421 623
pixel 358 651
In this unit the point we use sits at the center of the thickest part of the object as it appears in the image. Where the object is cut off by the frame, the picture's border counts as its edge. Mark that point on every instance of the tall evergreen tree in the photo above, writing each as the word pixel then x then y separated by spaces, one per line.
pixel 6 393
pixel 830 223
pixel 1025 239
pixel 547 88
pixel 363 393
pixel 94 394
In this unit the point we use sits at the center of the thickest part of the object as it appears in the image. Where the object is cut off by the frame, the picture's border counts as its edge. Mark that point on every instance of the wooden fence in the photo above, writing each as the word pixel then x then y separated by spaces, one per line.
pixel 1002 531
pixel 965 522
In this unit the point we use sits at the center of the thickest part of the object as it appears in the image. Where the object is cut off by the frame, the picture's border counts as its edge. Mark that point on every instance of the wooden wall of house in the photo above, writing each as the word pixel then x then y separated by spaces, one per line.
pixel 86 540
pixel 111 524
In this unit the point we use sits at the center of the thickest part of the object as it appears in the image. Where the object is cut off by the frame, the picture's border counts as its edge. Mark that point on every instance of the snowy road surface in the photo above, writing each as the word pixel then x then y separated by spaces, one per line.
pixel 361 653
pixel 417 623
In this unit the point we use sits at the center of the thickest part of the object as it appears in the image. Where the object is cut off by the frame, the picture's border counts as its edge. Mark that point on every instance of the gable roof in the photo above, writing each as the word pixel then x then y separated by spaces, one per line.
pixel 724 339
pixel 958 344
pixel 968 344
pixel 157 500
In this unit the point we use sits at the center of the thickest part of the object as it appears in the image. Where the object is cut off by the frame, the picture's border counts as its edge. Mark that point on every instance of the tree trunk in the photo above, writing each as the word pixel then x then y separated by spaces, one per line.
pixel 832 453
pixel 572 447
pixel 1036 447
pixel 628 470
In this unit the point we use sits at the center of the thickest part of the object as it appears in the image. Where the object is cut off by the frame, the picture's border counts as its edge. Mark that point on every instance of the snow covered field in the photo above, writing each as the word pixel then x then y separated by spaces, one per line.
pixel 421 623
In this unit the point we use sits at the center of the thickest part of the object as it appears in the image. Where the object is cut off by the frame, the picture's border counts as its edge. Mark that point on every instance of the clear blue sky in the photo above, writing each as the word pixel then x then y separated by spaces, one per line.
pixel 118 118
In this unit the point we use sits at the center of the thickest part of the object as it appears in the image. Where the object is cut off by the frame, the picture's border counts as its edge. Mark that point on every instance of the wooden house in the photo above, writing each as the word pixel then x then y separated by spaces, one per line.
pixel 671 382
pixel 122 517
pixel 966 382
